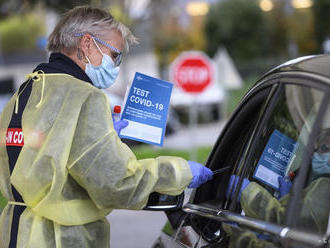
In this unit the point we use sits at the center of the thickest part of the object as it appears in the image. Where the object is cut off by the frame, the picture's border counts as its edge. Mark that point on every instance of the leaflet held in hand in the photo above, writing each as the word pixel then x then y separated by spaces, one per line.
pixel 146 109
pixel 278 153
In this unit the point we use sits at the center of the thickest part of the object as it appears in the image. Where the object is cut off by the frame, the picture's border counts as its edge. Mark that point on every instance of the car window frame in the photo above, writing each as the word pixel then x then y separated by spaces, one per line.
pixel 265 115
pixel 281 79
pixel 271 87
pixel 283 233
pixel 306 80
pixel 294 208
pixel 223 140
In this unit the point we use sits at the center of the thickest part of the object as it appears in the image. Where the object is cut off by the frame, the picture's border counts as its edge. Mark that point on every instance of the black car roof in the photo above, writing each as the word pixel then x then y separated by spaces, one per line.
pixel 313 64
pixel 316 64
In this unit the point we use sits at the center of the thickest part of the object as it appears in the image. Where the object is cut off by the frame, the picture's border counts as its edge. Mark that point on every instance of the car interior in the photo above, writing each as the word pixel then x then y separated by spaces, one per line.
pixel 273 127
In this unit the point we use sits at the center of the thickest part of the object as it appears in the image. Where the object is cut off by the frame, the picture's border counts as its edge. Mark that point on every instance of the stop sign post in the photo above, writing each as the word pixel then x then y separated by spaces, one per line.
pixel 192 72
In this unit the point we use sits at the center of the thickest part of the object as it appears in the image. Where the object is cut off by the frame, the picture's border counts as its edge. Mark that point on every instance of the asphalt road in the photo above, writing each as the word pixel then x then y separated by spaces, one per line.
pixel 135 229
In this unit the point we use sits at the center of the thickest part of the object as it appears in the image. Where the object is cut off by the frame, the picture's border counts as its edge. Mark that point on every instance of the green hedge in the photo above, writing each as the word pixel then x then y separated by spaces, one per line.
pixel 21 32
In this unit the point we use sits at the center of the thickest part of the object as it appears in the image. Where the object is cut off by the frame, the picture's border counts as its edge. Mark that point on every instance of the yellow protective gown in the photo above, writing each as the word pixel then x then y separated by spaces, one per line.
pixel 240 238
pixel 73 169
pixel 258 203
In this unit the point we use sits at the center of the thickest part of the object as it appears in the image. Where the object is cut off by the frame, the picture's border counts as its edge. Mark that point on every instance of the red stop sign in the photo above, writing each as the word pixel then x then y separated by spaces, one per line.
pixel 192 72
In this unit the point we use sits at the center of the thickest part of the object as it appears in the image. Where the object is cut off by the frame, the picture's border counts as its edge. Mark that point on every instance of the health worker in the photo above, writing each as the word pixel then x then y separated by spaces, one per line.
pixel 63 167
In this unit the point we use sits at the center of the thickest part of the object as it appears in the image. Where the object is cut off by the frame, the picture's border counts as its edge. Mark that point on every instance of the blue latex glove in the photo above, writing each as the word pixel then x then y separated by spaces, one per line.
pixel 263 236
pixel 201 174
pixel 233 181
pixel 119 125
pixel 284 186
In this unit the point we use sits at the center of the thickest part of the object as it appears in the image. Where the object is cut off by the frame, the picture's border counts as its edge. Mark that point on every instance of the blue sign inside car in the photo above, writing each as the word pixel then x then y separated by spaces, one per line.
pixel 276 157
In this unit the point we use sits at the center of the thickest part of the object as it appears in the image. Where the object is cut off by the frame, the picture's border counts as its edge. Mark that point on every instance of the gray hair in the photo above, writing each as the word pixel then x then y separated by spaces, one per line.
pixel 85 19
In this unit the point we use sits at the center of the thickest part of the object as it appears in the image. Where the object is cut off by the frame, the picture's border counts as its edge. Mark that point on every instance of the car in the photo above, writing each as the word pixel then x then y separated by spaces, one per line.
pixel 271 140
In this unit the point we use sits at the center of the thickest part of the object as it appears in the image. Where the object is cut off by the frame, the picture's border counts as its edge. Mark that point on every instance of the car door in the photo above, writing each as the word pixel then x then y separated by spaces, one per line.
pixel 194 230
pixel 277 123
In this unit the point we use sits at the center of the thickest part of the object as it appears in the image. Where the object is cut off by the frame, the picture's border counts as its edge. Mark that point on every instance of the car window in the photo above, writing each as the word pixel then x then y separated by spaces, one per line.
pixel 276 156
pixel 226 154
pixel 315 201
pixel 264 141
pixel 230 146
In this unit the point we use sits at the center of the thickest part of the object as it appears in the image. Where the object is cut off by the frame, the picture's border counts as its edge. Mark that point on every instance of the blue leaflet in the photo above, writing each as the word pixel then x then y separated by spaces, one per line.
pixel 275 159
pixel 146 109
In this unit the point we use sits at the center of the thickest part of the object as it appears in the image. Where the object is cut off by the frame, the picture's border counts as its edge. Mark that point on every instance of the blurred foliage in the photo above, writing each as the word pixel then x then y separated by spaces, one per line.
pixel 170 36
pixel 23 6
pixel 234 97
pixel 171 40
pixel 22 22
pixel 20 32
pixel 249 33
pixel 119 13
pixel 64 5
pixel 321 10
pixel 304 37
pixel 243 30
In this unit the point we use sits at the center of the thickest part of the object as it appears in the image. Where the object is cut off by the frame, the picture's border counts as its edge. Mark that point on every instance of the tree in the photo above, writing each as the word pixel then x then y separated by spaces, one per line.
pixel 248 33
pixel 239 26
pixel 301 30
pixel 20 32
pixel 14 6
pixel 170 36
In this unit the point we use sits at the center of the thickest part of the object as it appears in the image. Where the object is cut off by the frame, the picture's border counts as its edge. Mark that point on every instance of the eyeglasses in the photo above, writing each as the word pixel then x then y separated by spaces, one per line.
pixel 116 54
pixel 323 148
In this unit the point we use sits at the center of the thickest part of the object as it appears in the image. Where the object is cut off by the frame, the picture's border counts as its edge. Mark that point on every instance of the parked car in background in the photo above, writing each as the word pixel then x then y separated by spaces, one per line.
pixel 281 129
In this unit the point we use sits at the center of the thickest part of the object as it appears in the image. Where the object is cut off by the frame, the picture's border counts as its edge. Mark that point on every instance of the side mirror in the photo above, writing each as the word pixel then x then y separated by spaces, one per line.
pixel 161 202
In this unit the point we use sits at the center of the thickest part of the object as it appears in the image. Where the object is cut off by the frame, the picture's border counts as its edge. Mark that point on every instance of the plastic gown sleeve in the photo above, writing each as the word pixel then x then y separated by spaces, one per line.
pixel 316 205
pixel 257 202
pixel 109 170
pixel 244 239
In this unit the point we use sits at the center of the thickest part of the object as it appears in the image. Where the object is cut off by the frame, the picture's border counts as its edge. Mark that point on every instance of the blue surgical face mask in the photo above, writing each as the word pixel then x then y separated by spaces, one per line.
pixel 104 75
pixel 320 165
